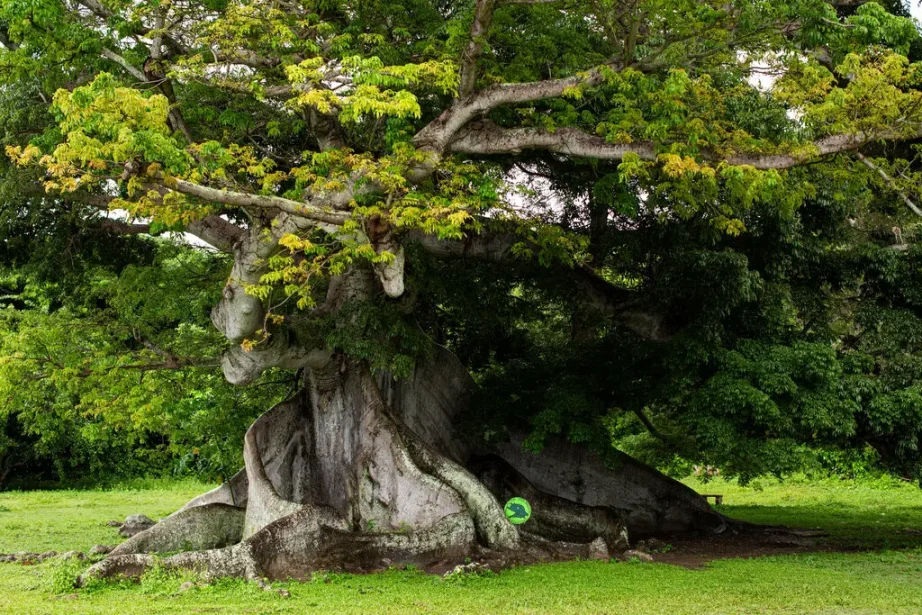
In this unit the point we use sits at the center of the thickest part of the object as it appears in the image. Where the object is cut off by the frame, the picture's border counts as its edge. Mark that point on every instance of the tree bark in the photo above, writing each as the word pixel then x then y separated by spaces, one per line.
pixel 356 472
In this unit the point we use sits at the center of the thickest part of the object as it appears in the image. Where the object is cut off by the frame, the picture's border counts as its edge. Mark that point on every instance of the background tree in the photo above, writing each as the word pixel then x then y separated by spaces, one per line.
pixel 383 174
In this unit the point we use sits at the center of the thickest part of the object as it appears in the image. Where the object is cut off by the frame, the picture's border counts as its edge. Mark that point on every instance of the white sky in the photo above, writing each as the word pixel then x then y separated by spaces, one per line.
pixel 916 8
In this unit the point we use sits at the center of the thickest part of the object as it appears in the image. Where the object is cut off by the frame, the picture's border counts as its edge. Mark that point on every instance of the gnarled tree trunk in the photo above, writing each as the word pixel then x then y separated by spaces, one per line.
pixel 360 473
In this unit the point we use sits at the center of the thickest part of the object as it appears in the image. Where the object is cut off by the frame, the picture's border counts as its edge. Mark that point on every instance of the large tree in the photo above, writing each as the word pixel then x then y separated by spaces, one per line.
pixel 384 172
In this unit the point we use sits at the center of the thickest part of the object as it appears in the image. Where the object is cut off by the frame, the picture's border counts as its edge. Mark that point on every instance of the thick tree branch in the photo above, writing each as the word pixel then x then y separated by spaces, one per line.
pixel 440 131
pixel 489 139
pixel 155 71
pixel 594 291
pixel 121 227
pixel 483 18
pixel 217 231
pixel 96 8
pixel 5 38
pixel 650 427
pixel 471 104
pixel 214 230
pixel 246 200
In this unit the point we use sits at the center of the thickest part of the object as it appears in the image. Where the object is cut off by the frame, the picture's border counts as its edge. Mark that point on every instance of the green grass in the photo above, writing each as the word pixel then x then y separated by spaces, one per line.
pixel 64 520
pixel 879 514
pixel 877 581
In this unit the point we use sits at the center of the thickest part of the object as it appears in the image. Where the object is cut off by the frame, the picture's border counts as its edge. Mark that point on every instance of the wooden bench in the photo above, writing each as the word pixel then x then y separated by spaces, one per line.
pixel 718 499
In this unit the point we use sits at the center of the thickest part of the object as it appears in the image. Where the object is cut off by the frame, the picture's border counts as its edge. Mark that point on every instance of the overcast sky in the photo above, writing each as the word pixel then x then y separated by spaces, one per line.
pixel 916 9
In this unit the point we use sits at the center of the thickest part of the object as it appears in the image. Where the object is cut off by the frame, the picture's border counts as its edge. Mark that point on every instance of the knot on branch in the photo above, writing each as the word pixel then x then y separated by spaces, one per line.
pixel 390 267
pixel 131 169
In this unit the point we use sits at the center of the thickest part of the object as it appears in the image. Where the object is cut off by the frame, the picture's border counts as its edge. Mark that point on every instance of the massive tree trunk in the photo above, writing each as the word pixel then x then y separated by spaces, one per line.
pixel 360 473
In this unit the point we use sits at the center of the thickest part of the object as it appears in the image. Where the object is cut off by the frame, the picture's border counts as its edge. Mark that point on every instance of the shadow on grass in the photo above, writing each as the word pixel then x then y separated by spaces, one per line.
pixel 848 527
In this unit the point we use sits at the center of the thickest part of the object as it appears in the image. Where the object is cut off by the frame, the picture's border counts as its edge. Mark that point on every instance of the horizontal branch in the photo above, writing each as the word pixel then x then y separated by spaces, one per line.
pixel 489 139
pixel 259 201
pixel 594 291
pixel 215 230
pixel 440 131
pixel 121 227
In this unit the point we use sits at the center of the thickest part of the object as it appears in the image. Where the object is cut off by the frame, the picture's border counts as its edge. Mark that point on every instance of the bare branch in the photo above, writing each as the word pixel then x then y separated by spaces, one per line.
pixel 121 61
pixel 890 181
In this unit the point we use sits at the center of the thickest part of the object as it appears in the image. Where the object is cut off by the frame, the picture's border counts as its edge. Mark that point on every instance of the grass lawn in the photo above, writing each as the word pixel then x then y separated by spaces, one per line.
pixel 883 517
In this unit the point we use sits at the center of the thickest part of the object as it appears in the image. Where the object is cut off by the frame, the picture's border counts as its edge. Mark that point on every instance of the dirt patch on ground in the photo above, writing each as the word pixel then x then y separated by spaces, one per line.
pixel 687 550
pixel 694 551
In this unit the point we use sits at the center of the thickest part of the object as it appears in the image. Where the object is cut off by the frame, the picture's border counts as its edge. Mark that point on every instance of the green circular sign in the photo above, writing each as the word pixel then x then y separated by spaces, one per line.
pixel 517 510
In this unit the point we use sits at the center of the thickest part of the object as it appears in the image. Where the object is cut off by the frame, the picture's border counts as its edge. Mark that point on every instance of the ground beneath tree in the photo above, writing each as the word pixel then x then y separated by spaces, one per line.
pixel 869 563
pixel 694 551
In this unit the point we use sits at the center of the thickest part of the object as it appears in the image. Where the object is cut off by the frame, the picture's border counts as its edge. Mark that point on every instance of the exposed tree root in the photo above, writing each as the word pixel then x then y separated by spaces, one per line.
pixel 433 398
pixel 203 527
pixel 337 477
pixel 649 502
pixel 299 544
pixel 232 492
pixel 554 519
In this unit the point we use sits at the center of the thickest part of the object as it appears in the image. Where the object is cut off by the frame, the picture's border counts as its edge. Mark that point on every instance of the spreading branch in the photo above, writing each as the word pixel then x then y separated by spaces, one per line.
pixel 258 201
pixel 651 428
pixel 594 291
pixel 489 139
pixel 440 131
pixel 173 364
pixel 218 232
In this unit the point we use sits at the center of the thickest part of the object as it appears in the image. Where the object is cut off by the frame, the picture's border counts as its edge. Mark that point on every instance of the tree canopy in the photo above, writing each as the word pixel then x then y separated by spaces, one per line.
pixel 684 229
